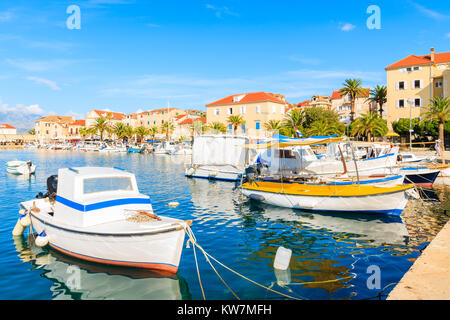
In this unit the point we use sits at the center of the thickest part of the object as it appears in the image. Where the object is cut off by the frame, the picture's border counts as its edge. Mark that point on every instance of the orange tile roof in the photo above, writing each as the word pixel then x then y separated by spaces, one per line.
pixel 249 97
pixel 338 95
pixel 180 116
pixel 191 121
pixel 303 104
pixel 53 118
pixel 78 123
pixel 115 115
pixel 413 60
pixel 6 126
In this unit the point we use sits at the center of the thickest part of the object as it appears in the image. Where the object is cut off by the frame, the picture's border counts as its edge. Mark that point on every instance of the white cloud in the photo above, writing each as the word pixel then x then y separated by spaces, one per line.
pixel 347 27
pixel 220 11
pixel 40 65
pixel 49 83
pixel 6 16
pixel 188 91
pixel 431 13
pixel 22 117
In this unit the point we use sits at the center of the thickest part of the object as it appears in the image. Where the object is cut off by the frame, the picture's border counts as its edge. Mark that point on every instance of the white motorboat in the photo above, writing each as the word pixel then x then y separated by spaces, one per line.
pixel 20 167
pixel 219 157
pixel 98 214
pixel 183 150
pixel 409 157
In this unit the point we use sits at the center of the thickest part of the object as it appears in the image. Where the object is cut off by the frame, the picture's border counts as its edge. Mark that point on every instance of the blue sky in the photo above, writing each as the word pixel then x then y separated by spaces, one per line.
pixel 132 55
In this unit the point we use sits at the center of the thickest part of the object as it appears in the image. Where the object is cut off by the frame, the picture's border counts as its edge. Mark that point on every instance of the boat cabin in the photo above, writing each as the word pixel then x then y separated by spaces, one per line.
pixel 93 195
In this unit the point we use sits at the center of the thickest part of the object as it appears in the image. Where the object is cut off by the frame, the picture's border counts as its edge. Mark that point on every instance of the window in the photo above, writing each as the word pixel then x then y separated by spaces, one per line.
pixel 438 84
pixel 230 110
pixel 104 184
pixel 416 68
pixel 401 85
pixel 242 109
pixel 285 154
pixel 243 128
pixel 230 127
pixel 282 109
pixel 274 109
pixel 216 112
pixel 417 84
pixel 417 102
pixel 409 69
pixel 257 125
pixel 401 103
pixel 258 109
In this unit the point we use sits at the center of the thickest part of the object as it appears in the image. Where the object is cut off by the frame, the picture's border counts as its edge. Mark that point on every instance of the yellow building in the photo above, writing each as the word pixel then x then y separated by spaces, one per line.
pixel 256 109
pixel 413 81
pixel 342 104
pixel 52 128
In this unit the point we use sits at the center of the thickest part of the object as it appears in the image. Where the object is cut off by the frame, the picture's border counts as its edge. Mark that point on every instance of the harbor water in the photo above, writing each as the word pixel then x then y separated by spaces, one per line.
pixel 333 256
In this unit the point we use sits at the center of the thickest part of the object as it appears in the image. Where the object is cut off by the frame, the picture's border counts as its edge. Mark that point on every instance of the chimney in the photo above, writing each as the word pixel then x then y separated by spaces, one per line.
pixel 432 55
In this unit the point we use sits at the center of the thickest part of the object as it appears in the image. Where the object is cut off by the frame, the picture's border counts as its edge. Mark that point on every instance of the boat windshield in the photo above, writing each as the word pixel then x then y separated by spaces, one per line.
pixel 105 184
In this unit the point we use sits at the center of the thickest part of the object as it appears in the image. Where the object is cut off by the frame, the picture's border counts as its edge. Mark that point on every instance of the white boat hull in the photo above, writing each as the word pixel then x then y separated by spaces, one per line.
pixel 390 203
pixel 160 251
pixel 20 168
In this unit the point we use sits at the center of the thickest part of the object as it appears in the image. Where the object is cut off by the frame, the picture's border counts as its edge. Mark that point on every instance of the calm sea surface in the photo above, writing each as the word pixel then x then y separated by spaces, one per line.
pixel 333 255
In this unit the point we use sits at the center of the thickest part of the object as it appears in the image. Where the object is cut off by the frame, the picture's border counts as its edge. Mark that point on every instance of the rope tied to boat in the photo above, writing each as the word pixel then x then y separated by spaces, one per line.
pixel 193 240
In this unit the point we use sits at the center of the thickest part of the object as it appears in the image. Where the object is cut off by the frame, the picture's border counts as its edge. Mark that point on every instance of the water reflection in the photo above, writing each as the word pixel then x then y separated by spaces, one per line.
pixel 77 279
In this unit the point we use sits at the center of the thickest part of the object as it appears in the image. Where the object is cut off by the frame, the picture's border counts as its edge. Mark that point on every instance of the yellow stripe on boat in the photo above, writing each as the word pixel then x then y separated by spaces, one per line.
pixel 322 190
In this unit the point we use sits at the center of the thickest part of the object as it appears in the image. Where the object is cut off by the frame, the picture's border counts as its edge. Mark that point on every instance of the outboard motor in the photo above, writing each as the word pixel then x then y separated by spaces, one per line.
pixel 52 185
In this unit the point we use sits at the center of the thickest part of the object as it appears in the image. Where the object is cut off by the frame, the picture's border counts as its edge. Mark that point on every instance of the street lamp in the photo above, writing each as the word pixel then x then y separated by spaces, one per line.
pixel 410 101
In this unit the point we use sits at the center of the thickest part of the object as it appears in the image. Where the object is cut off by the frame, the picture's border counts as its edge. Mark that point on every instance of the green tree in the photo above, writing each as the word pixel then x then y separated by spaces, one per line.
pixel 352 88
pixel 153 131
pixel 167 128
pixel 84 132
pixel 32 132
pixel 235 121
pixel 295 118
pixel 439 110
pixel 101 126
pixel 369 125
pixel 141 132
pixel 217 127
pixel 119 129
pixel 322 128
pixel 378 96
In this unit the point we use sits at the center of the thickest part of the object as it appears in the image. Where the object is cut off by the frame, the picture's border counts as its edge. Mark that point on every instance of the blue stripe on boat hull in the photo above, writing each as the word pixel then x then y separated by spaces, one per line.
pixel 101 205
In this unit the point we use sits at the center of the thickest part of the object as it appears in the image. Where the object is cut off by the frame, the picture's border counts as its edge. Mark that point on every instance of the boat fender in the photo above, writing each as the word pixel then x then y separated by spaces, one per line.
pixel 18 229
pixel 190 172
pixel 41 239
pixel 256 197
pixel 25 219
pixel 174 204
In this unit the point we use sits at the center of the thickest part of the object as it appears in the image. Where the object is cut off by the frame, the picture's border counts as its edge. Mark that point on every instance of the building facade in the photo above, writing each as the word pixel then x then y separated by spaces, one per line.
pixel 113 117
pixel 52 128
pixel 256 109
pixel 342 104
pixel 413 81
pixel 7 129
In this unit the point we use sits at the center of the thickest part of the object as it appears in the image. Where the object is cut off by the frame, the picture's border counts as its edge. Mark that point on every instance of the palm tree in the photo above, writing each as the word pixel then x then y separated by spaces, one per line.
pixel 353 88
pixel 198 126
pixel 101 126
pixel 141 132
pixel 167 128
pixel 293 120
pixel 273 125
pixel 439 110
pixel 84 132
pixel 369 125
pixel 217 127
pixel 152 132
pixel 119 130
pixel 379 96
pixel 235 121
pixel 322 128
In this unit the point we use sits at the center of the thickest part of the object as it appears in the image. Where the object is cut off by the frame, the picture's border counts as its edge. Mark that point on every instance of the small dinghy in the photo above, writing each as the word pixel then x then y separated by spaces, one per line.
pixel 98 214
pixel 20 167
